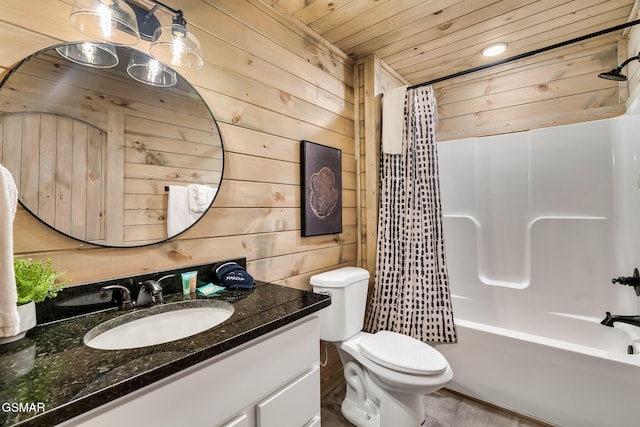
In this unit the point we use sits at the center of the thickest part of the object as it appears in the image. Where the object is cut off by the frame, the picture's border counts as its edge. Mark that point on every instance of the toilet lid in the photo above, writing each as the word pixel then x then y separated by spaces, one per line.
pixel 403 353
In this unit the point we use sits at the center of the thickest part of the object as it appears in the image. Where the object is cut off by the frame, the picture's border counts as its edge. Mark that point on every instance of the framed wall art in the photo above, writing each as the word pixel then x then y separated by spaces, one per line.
pixel 321 184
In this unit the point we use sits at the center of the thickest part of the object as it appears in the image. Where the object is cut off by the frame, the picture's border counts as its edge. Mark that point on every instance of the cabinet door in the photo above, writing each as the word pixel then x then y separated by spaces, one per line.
pixel 295 405
pixel 241 421
pixel 315 422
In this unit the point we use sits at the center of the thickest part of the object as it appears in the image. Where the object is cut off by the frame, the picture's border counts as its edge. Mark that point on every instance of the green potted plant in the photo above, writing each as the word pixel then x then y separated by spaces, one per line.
pixel 35 282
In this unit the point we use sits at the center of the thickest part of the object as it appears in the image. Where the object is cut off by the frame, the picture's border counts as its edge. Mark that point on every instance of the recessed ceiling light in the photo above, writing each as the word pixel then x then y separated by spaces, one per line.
pixel 494 49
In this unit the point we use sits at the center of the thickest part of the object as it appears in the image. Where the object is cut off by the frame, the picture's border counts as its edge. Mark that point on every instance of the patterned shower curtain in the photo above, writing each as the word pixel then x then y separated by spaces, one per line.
pixel 411 289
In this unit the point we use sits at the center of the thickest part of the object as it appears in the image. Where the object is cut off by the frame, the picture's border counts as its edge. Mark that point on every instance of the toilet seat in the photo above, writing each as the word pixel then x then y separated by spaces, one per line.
pixel 403 353
pixel 392 379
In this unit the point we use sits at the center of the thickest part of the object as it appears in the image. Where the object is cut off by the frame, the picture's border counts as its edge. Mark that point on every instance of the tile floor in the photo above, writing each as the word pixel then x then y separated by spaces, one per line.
pixel 444 409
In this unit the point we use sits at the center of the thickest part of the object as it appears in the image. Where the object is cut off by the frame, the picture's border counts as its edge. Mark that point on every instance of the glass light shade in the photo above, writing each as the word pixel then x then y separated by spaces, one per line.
pixel 174 45
pixel 97 55
pixel 111 21
pixel 148 70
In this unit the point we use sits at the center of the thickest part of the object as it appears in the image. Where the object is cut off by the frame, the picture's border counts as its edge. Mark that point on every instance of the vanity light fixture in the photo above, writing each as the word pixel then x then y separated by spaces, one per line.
pixel 148 70
pixel 123 22
pixel 174 45
pixel 97 55
pixel 494 49
pixel 109 21
pixel 616 73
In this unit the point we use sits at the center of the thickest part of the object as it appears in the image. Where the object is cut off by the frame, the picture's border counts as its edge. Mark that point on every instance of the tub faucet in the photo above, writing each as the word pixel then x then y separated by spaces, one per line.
pixel 630 281
pixel 610 319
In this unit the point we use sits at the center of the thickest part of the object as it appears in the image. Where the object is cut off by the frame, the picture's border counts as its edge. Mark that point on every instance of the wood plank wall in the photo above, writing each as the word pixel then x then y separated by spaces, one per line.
pixel 76 174
pixel 373 78
pixel 632 71
pixel 270 84
pixel 549 89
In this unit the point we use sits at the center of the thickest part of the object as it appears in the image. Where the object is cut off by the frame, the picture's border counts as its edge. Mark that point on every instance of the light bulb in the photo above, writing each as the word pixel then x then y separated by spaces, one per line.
pixel 494 49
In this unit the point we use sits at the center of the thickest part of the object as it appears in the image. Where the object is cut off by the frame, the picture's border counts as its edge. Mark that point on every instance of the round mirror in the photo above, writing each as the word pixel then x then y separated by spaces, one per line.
pixel 104 157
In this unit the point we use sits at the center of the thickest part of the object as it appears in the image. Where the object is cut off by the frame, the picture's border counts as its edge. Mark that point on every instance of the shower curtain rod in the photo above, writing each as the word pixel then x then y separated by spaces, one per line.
pixel 525 55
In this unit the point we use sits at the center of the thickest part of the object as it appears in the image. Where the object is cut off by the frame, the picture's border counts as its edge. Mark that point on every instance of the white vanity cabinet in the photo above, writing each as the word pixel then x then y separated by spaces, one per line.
pixel 271 381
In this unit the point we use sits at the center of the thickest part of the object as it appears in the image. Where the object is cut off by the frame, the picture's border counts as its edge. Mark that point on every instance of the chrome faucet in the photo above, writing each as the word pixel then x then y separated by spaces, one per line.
pixel 151 292
pixel 610 319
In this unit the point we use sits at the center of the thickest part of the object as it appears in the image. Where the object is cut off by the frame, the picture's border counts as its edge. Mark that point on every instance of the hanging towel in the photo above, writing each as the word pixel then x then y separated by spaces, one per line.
pixel 200 197
pixel 178 213
pixel 9 319
pixel 393 120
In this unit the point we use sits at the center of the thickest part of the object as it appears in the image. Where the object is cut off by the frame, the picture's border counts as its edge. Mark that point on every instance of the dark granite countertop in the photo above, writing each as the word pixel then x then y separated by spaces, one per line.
pixel 58 377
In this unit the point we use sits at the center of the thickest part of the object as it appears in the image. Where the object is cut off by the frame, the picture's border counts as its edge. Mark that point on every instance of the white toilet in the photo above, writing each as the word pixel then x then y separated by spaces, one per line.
pixel 387 374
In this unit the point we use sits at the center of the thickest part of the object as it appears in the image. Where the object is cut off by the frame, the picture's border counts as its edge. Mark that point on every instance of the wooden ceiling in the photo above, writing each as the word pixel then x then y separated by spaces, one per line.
pixel 427 39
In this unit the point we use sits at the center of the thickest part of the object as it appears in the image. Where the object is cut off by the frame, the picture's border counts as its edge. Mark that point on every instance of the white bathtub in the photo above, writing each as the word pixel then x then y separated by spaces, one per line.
pixel 536 225
pixel 560 382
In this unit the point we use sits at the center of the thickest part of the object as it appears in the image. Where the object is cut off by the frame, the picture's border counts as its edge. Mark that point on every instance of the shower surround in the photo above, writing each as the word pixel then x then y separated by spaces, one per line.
pixel 536 225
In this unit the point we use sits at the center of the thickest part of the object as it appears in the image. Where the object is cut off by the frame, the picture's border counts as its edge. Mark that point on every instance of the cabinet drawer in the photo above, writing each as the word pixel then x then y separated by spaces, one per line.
pixel 295 405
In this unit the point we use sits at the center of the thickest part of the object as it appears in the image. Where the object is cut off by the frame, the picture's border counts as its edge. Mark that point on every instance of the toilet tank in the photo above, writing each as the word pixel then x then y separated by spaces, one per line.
pixel 348 289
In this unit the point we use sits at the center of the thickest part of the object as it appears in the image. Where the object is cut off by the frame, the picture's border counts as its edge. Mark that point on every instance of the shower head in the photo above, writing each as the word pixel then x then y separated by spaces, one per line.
pixel 616 73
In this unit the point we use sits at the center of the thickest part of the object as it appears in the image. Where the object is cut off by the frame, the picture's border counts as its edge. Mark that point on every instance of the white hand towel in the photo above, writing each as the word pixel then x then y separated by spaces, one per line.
pixel 9 319
pixel 393 119
pixel 178 217
pixel 200 197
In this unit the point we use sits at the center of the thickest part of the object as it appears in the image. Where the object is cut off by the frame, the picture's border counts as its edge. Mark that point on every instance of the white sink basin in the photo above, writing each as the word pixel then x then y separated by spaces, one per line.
pixel 158 325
